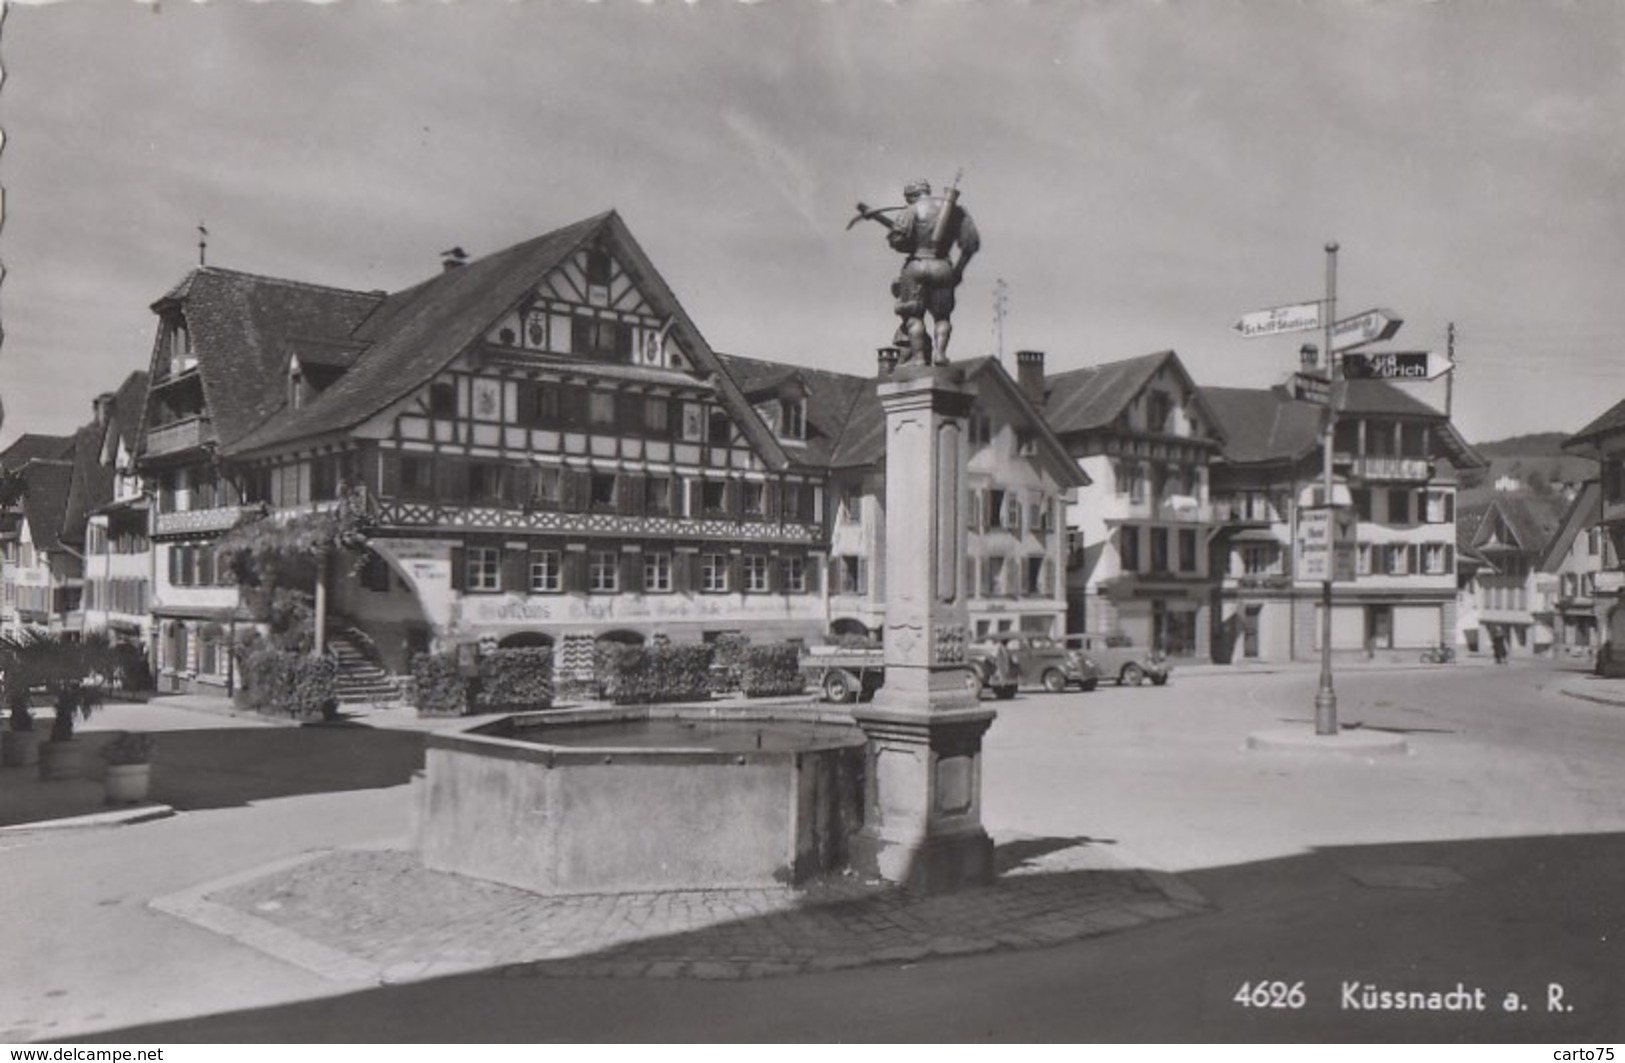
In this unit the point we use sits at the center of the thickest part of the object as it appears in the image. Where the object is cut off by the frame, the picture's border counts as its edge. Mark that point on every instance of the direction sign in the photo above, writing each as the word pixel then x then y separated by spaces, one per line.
pixel 1396 365
pixel 1273 322
pixel 1311 387
pixel 1326 544
pixel 1369 327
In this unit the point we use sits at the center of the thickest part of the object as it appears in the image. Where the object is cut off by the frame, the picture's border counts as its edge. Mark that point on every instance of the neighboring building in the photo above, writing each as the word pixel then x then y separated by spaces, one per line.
pixel 1603 440
pixel 1395 461
pixel 1138 557
pixel 42 575
pixel 1514 533
pixel 1019 479
pixel 229 350
pixel 118 551
pixel 1568 573
pixel 13 484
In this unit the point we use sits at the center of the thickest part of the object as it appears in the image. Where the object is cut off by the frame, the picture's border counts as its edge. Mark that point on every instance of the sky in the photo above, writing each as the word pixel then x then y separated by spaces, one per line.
pixel 1141 173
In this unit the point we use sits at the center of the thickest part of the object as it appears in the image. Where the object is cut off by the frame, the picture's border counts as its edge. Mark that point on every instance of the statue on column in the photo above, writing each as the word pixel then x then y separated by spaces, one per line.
pixel 927 231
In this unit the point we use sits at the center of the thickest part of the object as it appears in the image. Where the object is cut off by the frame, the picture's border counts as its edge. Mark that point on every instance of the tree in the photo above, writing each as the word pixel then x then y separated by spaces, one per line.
pixel 274 560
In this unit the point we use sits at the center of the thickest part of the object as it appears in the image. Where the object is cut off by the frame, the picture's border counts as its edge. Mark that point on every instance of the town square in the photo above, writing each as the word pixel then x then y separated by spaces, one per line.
pixel 826 523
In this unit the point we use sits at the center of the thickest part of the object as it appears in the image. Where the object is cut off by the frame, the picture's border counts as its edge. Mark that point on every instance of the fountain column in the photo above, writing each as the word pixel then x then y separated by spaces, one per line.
pixel 922 801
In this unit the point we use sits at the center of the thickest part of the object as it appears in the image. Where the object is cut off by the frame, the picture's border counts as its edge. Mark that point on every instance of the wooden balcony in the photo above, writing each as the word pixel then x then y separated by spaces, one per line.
pixel 1407 470
pixel 183 435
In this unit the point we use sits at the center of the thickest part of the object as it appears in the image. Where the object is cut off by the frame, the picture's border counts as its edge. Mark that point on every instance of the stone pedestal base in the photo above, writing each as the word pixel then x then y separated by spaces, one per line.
pixel 922 825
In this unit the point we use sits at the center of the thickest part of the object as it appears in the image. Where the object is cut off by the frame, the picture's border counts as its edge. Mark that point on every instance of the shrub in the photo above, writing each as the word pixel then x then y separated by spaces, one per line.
pixel 130 747
pixel 773 670
pixel 131 672
pixel 728 662
pixel 295 684
pixel 639 674
pixel 515 678
pixel 439 689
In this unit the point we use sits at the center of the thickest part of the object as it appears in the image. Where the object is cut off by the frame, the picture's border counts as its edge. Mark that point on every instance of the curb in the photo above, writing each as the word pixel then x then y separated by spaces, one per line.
pixel 123 817
pixel 1595 699
pixel 608 954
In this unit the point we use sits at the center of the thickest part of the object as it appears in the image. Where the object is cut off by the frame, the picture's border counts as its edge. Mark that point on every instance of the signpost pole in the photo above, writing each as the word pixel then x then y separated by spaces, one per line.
pixel 1326 697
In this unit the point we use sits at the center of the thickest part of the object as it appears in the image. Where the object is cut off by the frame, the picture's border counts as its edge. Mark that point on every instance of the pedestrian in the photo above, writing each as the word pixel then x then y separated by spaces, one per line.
pixel 1498 646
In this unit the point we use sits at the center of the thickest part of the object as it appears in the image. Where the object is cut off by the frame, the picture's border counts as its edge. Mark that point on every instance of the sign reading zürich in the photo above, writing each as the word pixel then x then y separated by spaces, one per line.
pixel 1396 365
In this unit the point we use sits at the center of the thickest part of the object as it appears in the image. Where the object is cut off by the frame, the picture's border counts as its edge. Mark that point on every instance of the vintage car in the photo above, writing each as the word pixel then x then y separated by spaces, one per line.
pixel 1119 658
pixel 1029 661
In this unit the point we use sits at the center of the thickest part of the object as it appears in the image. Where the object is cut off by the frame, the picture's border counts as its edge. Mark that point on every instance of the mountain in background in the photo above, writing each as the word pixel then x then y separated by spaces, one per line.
pixel 1537 460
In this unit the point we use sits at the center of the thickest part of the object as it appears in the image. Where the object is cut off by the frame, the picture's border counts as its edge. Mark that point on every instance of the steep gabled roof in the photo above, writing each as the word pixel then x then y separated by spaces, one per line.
pixel 45 500
pixel 1263 425
pixel 841 409
pixel 127 405
pixel 416 333
pixel 1092 397
pixel 91 486
pixel 241 326
pixel 1612 422
pixel 1382 399
pixel 1530 521
pixel 31 445
pixel 1583 512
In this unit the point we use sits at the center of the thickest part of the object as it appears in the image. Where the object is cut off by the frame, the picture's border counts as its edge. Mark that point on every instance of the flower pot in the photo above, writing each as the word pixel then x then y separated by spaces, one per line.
pixel 59 760
pixel 19 749
pixel 127 783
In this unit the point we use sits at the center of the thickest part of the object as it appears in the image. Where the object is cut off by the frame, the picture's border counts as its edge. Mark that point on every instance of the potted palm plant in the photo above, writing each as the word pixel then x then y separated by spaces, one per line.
pixel 72 671
pixel 129 767
pixel 19 743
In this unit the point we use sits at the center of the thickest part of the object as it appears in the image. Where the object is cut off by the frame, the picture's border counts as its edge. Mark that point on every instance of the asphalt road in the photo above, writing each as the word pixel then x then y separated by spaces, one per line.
pixel 1487 862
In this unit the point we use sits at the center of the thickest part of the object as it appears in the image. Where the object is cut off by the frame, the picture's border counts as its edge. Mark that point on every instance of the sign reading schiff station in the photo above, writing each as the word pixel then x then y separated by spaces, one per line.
pixel 1299 317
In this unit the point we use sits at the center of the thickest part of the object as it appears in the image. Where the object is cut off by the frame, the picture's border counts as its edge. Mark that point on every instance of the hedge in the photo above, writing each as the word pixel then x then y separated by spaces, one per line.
pixel 295 684
pixel 519 678
pixel 632 675
pixel 438 690
pixel 773 670
pixel 728 662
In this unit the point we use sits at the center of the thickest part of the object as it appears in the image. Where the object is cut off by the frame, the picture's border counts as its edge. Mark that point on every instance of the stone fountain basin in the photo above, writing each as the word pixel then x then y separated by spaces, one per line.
pixel 649 798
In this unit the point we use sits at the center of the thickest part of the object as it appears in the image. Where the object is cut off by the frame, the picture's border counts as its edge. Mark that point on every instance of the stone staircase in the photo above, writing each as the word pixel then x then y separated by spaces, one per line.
pixel 360 681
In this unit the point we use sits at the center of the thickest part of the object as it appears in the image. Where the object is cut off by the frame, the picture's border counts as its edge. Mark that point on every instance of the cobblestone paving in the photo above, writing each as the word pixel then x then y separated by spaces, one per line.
pixel 387 918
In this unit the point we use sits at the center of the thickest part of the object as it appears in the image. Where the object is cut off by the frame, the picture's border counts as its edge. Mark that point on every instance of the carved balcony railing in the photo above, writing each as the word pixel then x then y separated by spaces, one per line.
pixel 180 436
pixel 398 514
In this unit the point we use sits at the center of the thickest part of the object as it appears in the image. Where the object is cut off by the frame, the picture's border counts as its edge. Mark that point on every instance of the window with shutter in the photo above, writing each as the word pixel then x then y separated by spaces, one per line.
pixel 814 570
pixel 459 568
pixel 575 571
pixel 514 575
pixel 863 575
pixel 631 572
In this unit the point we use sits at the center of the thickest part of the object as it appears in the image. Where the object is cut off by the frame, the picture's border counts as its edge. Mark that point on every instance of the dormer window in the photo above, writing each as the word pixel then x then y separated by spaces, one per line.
pixel 176 346
pixel 793 418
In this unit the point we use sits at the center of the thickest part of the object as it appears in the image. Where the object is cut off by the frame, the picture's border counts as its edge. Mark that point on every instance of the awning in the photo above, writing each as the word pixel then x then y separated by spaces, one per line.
pixel 1255 535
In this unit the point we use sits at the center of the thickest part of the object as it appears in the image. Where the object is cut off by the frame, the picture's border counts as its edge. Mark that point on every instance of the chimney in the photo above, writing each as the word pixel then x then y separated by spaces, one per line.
pixel 103 405
pixel 1030 375
pixel 452 258
pixel 887 358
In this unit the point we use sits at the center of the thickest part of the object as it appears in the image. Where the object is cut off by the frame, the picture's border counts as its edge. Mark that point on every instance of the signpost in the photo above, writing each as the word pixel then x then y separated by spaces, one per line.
pixel 1300 317
pixel 1326 534
pixel 1373 326
pixel 1396 365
